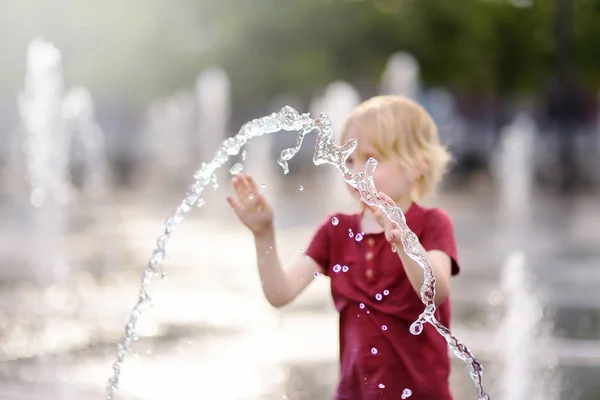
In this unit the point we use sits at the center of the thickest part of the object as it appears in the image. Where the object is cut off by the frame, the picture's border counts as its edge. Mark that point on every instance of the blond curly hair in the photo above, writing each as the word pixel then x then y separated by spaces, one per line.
pixel 400 126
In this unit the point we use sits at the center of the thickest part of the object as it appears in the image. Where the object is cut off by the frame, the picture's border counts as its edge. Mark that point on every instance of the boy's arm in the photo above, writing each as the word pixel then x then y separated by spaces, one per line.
pixel 281 286
pixel 440 263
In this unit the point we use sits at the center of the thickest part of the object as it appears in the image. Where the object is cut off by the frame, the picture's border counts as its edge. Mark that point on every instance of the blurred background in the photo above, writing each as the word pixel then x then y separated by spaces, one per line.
pixel 108 108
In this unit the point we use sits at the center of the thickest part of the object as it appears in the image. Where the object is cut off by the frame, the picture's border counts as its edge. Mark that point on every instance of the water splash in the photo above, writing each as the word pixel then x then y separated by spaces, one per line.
pixel 326 152
pixel 236 169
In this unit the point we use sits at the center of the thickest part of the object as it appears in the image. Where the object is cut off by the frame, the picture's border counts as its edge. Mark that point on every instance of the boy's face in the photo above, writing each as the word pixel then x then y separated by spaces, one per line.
pixel 389 176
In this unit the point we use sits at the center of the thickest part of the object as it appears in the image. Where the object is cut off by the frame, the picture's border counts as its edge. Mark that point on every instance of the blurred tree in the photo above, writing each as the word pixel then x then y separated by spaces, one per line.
pixel 134 51
pixel 473 46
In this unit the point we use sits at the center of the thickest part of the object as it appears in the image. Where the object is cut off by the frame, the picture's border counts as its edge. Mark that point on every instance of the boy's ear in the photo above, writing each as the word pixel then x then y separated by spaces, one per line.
pixel 416 173
pixel 418 170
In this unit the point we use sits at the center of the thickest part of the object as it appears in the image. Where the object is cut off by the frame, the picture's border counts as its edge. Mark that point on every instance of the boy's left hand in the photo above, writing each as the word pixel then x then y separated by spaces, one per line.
pixel 392 233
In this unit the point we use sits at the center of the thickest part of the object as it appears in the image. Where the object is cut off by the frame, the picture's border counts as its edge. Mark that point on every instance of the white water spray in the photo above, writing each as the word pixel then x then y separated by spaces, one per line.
pixel 326 152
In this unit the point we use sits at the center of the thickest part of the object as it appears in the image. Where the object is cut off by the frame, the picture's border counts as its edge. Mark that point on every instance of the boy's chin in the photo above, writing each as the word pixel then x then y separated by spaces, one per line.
pixel 356 195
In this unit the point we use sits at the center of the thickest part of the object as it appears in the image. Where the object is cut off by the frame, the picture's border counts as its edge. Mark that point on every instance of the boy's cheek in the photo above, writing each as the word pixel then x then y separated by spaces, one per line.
pixel 353 192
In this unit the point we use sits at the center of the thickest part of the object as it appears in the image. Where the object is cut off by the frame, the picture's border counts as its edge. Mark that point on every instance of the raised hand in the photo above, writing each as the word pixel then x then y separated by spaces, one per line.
pixel 250 206
pixel 392 233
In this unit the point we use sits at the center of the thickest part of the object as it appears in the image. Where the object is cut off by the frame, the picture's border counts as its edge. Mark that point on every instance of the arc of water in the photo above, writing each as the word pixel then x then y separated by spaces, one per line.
pixel 326 152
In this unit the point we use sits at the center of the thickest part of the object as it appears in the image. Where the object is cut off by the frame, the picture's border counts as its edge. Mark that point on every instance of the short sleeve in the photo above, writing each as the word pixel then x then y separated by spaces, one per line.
pixel 438 234
pixel 319 247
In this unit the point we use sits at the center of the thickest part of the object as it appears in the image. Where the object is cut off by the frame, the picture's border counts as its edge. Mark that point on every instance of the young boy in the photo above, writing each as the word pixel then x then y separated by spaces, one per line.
pixel 375 290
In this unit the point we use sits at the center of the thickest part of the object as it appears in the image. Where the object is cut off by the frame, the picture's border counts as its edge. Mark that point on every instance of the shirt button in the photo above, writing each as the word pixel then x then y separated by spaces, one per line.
pixel 370 242
pixel 369 273
pixel 369 255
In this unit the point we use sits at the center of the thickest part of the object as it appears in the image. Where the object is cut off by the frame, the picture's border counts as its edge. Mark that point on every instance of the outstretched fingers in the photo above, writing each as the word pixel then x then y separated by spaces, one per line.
pixel 252 184
pixel 235 205
pixel 387 199
pixel 242 188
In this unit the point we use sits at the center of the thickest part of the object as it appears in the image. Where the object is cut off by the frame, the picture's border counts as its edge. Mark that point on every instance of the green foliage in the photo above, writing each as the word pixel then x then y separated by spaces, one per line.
pixel 136 50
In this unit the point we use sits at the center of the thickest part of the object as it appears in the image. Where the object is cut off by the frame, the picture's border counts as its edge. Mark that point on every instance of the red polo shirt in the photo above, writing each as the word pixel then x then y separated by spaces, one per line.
pixel 379 357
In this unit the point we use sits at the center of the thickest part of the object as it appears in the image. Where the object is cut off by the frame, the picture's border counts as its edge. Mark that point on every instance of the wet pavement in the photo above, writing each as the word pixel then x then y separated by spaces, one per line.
pixel 210 334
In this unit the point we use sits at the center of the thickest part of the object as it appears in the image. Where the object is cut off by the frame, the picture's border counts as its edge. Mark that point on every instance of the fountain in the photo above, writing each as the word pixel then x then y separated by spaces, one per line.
pixel 517 333
pixel 522 346
pixel 279 189
pixel 338 101
pixel 214 111
pixel 514 168
pixel 523 341
pixel 170 128
pixel 401 76
pixel 326 152
pixel 78 112
pixel 212 91
pixel 46 146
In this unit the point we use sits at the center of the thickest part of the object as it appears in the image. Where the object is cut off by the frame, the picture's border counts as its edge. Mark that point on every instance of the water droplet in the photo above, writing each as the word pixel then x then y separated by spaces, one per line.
pixel 394 249
pixel 345 268
pixel 164 276
pixel 358 237
pixel 350 233
pixel 406 393
pixel 386 292
pixel 378 296
pixel 244 155
pixel 381 386
pixel 170 224
pixel 263 185
pixel 416 328
pixel 162 241
pixel 337 268
pixel 300 188
pixel 373 350
pixel 335 221
pixel 362 305
pixel 158 256
pixel 384 327
pixel 200 203
pixel 236 169
pixel 181 212
pixel 191 198
pixel 317 274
